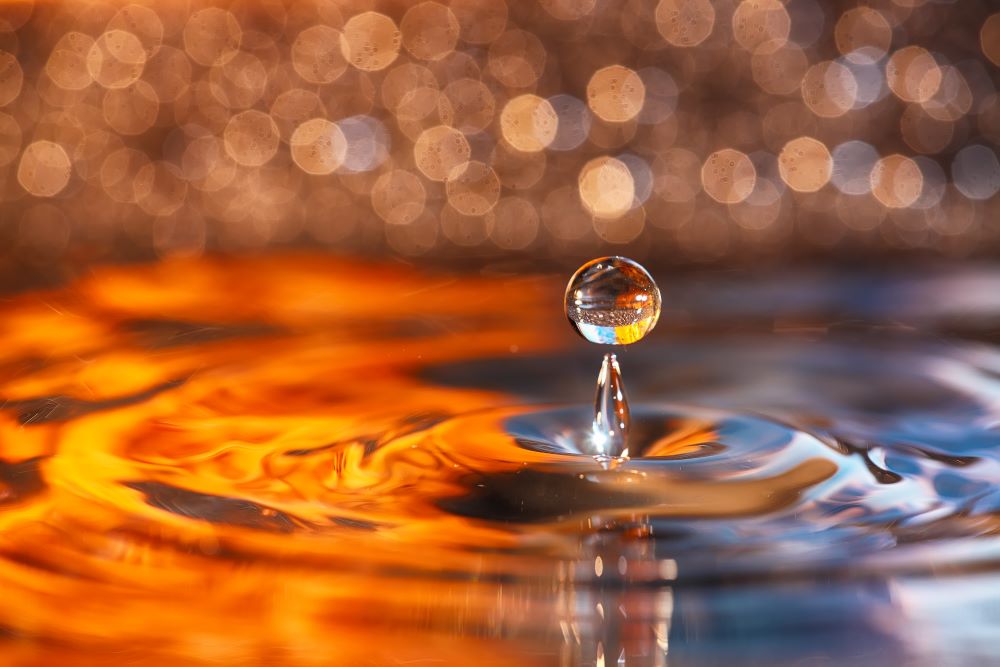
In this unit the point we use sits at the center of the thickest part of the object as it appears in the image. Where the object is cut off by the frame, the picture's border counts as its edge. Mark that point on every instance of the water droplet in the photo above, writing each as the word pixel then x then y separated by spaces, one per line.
pixel 608 439
pixel 613 301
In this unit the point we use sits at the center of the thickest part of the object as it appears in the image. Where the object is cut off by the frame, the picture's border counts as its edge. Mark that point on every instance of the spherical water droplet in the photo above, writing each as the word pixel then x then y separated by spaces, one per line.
pixel 612 300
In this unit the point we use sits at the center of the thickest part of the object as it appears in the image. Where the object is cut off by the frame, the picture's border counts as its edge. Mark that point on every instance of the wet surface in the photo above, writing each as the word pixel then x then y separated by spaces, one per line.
pixel 286 461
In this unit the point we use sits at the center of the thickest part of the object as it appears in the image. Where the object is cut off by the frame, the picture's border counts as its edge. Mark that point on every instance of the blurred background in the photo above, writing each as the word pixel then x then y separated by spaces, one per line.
pixel 681 132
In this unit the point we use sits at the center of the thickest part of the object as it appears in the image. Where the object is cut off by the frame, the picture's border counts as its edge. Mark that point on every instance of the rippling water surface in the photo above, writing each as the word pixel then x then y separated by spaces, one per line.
pixel 315 461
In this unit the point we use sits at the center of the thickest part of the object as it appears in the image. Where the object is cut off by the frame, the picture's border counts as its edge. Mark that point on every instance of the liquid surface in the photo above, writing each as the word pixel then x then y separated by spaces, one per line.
pixel 305 461
pixel 612 301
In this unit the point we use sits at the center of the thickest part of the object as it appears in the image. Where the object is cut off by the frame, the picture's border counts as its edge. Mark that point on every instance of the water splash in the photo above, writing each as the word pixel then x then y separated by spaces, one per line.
pixel 609 434
pixel 611 300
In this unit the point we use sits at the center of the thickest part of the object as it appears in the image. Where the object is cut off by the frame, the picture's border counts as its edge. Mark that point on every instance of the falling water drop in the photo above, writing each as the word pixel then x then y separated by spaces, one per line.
pixel 611 301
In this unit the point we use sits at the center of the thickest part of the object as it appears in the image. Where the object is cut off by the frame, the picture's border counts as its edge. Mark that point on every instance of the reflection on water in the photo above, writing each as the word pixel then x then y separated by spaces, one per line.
pixel 306 461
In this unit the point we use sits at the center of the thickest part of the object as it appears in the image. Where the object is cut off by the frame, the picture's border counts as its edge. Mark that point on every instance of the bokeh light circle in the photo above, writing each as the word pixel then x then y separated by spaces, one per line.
pixel 853 162
pixel 11 78
pixel 573 121
pixel 685 23
pixel 863 35
pixel 989 38
pixel 370 41
pixel 398 197
pixel 606 187
pixel 439 150
pixel 913 74
pixel 317 56
pixel 318 146
pixel 805 164
pixel 212 36
pixel 116 59
pixel 616 94
pixel 896 181
pixel 761 25
pixel 429 30
pixel 976 172
pixel 251 138
pixel 468 105
pixel 44 169
pixel 728 176
pixel 529 123
pixel 473 188
pixel 829 89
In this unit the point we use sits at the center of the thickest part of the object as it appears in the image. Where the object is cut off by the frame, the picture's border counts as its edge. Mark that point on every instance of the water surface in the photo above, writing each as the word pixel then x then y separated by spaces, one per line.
pixel 307 460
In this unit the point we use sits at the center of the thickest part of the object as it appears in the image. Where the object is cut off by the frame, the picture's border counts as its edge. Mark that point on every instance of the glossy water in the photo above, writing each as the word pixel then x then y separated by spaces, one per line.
pixel 305 461
pixel 612 301
pixel 607 441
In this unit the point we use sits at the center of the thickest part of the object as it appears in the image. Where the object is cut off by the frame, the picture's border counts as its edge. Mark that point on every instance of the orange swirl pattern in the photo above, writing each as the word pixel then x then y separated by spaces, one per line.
pixel 269 399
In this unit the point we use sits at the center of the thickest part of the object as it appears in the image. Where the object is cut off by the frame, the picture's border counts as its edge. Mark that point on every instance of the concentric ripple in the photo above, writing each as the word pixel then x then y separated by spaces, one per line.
pixel 279 460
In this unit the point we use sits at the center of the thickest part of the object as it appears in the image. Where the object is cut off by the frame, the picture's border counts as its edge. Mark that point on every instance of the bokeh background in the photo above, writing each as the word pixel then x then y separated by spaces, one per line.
pixel 695 132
